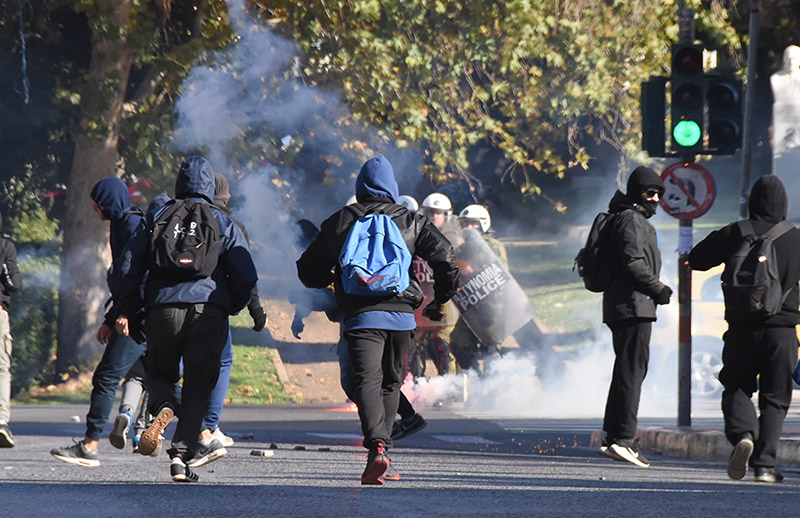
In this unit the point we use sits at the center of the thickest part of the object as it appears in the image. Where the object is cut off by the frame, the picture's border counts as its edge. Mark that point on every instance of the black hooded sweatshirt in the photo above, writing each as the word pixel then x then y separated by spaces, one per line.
pixel 768 205
pixel 636 252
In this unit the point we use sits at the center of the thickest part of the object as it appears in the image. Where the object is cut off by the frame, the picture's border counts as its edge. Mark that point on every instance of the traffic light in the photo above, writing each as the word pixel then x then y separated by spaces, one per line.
pixel 724 101
pixel 688 98
pixel 653 106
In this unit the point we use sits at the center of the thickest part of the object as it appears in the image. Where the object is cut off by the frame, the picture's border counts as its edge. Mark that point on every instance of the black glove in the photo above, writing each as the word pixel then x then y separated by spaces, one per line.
pixel 136 327
pixel 297 325
pixel 663 296
pixel 258 315
pixel 434 311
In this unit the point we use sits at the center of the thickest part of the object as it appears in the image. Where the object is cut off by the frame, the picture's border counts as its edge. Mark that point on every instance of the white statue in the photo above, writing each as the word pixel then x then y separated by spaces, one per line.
pixel 786 110
pixel 786 127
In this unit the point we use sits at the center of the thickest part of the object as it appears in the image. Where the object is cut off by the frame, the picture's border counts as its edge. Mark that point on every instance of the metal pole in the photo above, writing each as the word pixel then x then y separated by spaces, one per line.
pixel 684 324
pixel 747 134
pixel 686 35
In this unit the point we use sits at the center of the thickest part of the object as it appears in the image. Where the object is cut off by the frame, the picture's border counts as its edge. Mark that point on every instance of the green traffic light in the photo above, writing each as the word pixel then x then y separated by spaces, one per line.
pixel 686 133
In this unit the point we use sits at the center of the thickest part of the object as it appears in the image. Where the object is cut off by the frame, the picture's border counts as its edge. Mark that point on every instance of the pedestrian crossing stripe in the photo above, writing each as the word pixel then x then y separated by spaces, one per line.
pixel 465 439
pixel 347 436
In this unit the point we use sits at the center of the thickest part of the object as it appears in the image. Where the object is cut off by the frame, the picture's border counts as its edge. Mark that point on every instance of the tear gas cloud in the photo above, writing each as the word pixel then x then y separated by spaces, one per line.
pixel 251 85
pixel 248 85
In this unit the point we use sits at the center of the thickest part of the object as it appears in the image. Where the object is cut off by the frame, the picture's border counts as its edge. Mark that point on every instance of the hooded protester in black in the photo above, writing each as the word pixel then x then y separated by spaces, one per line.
pixel 761 355
pixel 768 205
pixel 635 289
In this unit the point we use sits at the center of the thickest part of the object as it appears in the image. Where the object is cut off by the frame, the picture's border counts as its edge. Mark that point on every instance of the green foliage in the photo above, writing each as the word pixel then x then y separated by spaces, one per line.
pixel 34 318
pixel 34 227
pixel 540 81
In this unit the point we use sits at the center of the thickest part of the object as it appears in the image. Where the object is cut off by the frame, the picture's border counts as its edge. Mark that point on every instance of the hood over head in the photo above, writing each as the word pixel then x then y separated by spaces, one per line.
pixel 376 180
pixel 222 190
pixel 768 201
pixel 157 202
pixel 195 179
pixel 112 197
pixel 640 179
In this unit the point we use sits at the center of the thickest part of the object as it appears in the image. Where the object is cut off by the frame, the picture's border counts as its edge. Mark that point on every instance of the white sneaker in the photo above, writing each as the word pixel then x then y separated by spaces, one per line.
pixel 627 453
pixel 225 440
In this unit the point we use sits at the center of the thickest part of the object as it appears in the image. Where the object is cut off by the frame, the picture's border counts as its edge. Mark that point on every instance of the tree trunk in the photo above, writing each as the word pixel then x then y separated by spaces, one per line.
pixel 86 255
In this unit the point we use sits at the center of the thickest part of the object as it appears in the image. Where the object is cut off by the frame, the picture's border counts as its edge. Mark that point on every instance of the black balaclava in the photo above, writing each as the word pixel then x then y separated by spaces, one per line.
pixel 641 179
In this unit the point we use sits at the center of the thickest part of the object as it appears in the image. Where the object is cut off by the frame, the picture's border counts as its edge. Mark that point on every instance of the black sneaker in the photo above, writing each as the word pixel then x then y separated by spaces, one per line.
pixel 630 454
pixel 151 438
pixel 181 472
pixel 207 453
pixel 77 454
pixel 6 439
pixel 119 435
pixel 768 475
pixel 405 427
pixel 740 456
pixel 377 464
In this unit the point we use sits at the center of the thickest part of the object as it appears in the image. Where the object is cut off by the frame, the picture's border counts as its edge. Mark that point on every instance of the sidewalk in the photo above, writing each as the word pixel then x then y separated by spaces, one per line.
pixel 705 439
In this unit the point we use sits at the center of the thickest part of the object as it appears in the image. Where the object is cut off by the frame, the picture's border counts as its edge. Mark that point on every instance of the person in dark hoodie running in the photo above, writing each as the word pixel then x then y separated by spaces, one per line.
pixel 10 282
pixel 629 308
pixel 379 330
pixel 211 430
pixel 757 355
pixel 112 202
pixel 185 320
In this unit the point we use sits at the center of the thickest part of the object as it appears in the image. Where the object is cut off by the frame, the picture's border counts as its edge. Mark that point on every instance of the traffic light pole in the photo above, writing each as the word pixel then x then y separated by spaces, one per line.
pixel 747 148
pixel 686 31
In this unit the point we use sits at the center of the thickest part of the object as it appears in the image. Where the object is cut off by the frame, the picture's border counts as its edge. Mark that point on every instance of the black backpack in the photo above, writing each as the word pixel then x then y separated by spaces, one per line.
pixel 595 261
pixel 185 241
pixel 751 285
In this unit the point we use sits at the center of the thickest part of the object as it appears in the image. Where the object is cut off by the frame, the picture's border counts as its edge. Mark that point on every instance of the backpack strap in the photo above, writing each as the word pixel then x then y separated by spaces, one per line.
pixel 746 228
pixel 778 230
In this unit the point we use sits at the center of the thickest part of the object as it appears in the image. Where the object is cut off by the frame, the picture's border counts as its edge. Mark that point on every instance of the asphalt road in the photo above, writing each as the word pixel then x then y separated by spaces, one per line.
pixel 460 466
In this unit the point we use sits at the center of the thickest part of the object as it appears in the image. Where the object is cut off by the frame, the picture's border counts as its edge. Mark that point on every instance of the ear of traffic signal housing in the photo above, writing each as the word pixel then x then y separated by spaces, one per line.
pixel 687 86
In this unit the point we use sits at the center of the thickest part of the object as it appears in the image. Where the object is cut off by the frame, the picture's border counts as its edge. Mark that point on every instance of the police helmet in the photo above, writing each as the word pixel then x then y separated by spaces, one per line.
pixel 437 201
pixel 408 202
pixel 477 213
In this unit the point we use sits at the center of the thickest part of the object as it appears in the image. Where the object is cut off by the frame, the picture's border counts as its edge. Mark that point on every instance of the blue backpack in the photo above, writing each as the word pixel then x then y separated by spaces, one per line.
pixel 375 259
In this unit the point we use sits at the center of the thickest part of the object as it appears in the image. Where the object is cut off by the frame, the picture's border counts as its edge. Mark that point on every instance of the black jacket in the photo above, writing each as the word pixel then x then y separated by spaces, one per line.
pixel 768 205
pixel 318 266
pixel 10 278
pixel 638 263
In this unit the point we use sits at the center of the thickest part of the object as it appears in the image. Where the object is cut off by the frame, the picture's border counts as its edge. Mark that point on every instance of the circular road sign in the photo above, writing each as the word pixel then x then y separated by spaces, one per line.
pixel 689 190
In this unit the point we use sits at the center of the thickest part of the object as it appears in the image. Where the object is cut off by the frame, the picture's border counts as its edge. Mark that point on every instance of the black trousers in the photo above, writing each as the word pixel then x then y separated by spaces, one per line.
pixel 377 357
pixel 195 333
pixel 760 360
pixel 631 340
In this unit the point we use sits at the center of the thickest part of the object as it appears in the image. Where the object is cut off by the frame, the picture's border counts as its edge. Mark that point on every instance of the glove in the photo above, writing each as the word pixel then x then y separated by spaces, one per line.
pixel 663 296
pixel 433 311
pixel 297 325
pixel 136 327
pixel 258 315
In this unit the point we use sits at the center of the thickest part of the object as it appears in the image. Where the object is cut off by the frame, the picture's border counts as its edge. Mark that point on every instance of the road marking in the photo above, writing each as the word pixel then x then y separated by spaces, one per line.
pixel 464 439
pixel 336 435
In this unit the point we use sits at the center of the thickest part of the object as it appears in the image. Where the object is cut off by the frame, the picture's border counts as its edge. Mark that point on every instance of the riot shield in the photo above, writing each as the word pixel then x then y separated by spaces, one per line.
pixel 424 274
pixel 489 300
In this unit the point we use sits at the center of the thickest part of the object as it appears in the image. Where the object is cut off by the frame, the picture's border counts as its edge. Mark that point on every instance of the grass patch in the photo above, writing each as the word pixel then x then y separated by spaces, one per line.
pixel 254 380
pixel 566 308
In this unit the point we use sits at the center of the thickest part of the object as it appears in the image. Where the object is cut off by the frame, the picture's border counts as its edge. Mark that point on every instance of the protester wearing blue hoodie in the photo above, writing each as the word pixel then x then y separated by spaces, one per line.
pixel 112 202
pixel 379 330
pixel 185 320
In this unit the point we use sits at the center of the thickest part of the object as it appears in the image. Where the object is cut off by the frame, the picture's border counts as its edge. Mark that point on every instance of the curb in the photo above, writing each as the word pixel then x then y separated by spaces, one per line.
pixel 283 376
pixel 708 445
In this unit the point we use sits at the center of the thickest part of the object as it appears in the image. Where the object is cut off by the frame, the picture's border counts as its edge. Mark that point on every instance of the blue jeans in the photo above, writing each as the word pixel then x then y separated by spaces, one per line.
pixel 217 399
pixel 118 358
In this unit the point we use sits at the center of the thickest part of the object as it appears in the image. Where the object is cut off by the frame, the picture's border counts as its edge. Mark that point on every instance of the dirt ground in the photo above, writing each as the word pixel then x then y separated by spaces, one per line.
pixel 310 364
